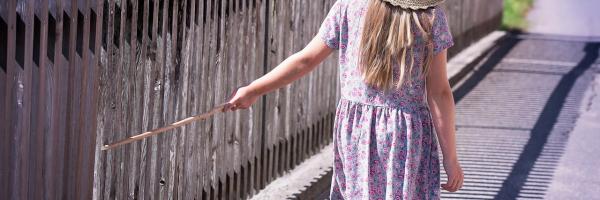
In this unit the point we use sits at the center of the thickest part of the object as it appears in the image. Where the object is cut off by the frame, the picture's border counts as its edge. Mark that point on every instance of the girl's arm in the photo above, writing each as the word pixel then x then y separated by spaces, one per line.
pixel 288 71
pixel 441 103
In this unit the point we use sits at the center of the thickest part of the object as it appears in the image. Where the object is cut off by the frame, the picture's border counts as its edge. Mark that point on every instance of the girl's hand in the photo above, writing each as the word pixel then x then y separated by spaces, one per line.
pixel 455 175
pixel 242 98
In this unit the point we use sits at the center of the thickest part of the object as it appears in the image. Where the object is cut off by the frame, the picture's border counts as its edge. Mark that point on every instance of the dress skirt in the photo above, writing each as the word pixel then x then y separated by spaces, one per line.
pixel 382 152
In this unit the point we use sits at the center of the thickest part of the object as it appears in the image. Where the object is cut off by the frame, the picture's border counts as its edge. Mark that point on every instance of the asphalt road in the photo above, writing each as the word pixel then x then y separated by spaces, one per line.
pixel 516 116
pixel 528 118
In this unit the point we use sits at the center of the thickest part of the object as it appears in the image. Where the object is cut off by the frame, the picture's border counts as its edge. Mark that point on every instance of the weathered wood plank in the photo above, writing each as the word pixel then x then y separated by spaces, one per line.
pixel 143 95
pixel 73 86
pixel 135 72
pixel 191 157
pixel 107 104
pixel 206 139
pixel 122 102
pixel 156 76
pixel 41 118
pixel 98 8
pixel 211 65
pixel 221 86
pixel 24 50
pixel 203 138
pixel 61 81
pixel 181 109
pixel 34 84
pixel 88 139
pixel 225 131
pixel 5 145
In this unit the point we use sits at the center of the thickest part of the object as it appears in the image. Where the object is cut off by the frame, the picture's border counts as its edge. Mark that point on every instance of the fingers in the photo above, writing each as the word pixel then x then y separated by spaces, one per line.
pixel 445 187
pixel 236 101
pixel 229 107
pixel 240 99
pixel 460 179
pixel 233 106
pixel 449 186
pixel 453 184
pixel 236 106
pixel 232 102
pixel 460 184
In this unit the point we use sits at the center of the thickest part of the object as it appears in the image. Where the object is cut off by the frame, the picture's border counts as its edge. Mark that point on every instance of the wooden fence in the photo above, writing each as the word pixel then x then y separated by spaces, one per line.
pixel 189 64
pixel 470 20
pixel 49 57
pixel 77 74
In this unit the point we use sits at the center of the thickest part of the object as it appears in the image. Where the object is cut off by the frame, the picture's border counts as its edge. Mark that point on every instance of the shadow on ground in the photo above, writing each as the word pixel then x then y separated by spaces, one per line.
pixel 514 115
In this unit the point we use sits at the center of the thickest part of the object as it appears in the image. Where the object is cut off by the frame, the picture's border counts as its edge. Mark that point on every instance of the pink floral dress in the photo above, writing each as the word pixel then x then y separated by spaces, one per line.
pixel 384 142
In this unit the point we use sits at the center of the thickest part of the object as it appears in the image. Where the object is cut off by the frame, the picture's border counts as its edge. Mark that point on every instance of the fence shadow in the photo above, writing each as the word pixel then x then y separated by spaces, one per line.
pixel 513 125
pixel 547 121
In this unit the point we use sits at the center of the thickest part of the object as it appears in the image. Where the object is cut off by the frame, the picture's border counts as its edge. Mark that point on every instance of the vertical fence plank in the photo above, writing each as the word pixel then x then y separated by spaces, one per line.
pixel 97 51
pixel 73 76
pixel 192 152
pixel 83 165
pixel 143 88
pixel 121 102
pixel 107 121
pixel 235 81
pixel 33 92
pixel 39 103
pixel 60 77
pixel 157 74
pixel 24 50
pixel 213 67
pixel 206 139
pixel 203 139
pixel 182 107
pixel 5 145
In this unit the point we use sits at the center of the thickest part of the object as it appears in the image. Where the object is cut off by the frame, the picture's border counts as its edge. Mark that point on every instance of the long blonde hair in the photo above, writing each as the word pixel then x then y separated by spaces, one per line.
pixel 387 37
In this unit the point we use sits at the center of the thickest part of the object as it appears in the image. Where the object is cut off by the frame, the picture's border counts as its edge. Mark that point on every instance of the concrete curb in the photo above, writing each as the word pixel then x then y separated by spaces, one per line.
pixel 314 175
pixel 312 178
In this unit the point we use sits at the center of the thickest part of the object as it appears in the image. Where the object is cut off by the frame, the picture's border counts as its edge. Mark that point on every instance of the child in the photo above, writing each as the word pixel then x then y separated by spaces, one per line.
pixel 395 94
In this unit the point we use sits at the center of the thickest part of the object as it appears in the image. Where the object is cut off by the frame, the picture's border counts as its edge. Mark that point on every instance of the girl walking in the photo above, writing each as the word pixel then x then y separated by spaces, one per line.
pixel 396 103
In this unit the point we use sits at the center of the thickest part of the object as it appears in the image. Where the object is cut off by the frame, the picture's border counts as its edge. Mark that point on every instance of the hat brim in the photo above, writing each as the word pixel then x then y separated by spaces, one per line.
pixel 408 4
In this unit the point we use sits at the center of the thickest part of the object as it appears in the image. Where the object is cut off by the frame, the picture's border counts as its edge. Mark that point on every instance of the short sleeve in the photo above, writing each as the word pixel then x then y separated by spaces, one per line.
pixel 330 29
pixel 442 37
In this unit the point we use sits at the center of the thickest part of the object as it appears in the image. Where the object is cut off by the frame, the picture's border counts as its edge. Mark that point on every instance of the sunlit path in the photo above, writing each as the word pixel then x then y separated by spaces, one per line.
pixel 515 114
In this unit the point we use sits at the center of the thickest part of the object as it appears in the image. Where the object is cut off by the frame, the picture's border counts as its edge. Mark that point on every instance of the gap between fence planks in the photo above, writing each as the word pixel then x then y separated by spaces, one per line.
pixel 211 112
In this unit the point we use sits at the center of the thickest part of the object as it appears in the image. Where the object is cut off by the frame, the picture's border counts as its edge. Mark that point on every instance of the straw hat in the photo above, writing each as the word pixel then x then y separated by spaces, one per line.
pixel 414 4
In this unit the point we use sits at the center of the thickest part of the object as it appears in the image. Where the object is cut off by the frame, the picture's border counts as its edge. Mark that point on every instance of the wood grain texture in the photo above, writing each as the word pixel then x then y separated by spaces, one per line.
pixel 47 86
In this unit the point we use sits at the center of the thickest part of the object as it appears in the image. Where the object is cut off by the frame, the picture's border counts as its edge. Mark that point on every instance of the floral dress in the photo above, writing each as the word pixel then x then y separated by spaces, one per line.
pixel 384 142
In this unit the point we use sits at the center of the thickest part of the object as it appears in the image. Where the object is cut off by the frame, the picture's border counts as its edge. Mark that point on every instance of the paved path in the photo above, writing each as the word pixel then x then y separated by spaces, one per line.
pixel 516 116
pixel 565 17
pixel 529 118
pixel 576 176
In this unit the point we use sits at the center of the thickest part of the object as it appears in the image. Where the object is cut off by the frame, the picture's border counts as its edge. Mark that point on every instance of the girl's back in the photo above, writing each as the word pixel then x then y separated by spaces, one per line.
pixel 342 30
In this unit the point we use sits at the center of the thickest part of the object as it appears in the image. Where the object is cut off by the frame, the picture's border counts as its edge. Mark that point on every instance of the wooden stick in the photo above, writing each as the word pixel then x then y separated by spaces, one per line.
pixel 214 110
